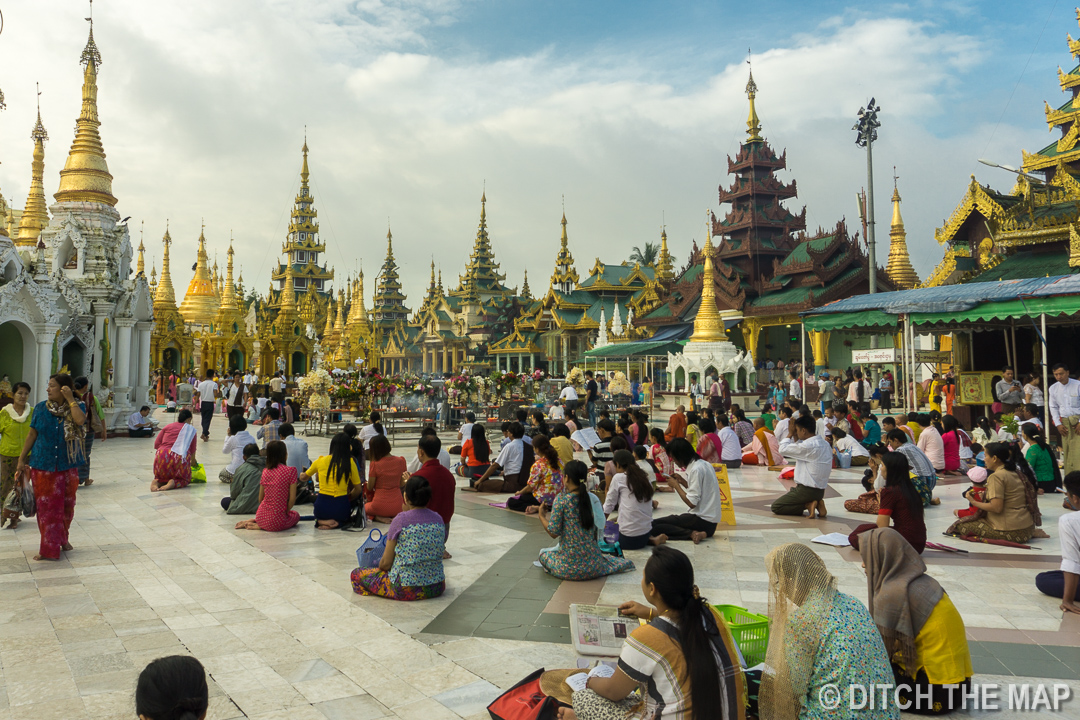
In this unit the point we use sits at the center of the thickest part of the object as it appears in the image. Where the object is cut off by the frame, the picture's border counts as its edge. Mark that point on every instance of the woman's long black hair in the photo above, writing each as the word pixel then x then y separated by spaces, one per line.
pixel 341 459
pixel 578 472
pixel 898 475
pixel 1032 431
pixel 375 422
pixel 480 445
pixel 672 574
pixel 642 428
pixel 860 389
pixel 541 422
pixel 636 479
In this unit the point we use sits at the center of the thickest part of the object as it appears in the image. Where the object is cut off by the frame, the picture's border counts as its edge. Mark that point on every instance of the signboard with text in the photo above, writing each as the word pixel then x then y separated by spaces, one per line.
pixel 892 355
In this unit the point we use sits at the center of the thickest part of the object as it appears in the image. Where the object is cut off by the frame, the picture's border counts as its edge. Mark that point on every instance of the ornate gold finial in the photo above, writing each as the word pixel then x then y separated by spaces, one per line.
pixel 753 124
pixel 483 206
pixel 35 217
pixel 140 269
pixel 86 176
pixel 899 268
pixel 708 325
pixel 304 169
pixel 165 296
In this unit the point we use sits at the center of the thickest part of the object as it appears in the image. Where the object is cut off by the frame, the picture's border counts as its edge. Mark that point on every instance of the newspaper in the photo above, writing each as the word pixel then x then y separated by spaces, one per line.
pixel 599 629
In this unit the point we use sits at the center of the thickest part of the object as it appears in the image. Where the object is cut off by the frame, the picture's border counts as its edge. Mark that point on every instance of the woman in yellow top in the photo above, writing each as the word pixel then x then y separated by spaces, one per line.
pixel 339 484
pixel 923 632
pixel 14 426
pixel 693 432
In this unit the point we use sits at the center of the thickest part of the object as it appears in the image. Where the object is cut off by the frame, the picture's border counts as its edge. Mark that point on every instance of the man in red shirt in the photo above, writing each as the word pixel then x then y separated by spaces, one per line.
pixel 441 480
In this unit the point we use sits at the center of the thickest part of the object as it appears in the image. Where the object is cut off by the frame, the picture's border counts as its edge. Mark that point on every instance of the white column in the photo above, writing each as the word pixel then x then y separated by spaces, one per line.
pixel 123 352
pixel 45 340
pixel 142 362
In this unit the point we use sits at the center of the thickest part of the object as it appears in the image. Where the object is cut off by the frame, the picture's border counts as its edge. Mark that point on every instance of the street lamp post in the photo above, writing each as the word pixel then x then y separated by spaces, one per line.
pixel 866 134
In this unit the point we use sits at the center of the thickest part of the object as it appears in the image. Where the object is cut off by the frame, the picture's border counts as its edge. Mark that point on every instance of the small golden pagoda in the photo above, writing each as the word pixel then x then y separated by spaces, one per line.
pixel 899 267
pixel 34 216
pixel 200 304
pixel 708 324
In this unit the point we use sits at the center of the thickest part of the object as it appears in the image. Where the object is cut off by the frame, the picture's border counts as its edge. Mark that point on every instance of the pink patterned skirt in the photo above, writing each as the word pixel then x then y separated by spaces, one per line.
pixel 373 581
pixel 170 466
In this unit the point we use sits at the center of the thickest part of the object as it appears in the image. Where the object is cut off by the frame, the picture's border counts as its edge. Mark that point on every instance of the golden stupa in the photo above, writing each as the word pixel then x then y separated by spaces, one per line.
pixel 200 306
pixel 899 267
pixel 708 325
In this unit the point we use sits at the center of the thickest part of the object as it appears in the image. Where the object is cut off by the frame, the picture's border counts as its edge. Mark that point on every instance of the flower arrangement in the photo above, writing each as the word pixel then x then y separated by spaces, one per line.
pixel 620 385
pixel 576 378
pixel 315 380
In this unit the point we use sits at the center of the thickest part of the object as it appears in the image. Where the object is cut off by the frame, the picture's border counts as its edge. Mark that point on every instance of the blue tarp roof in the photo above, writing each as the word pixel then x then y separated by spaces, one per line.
pixel 952 298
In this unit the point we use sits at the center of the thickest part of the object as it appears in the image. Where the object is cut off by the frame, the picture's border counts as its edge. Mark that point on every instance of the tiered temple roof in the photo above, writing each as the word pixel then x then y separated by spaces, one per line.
pixel 302 244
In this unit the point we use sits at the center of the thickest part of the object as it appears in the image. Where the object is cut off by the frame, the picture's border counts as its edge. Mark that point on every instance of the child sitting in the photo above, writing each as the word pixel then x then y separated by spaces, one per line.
pixel 641 456
pixel 977 475
pixel 978 455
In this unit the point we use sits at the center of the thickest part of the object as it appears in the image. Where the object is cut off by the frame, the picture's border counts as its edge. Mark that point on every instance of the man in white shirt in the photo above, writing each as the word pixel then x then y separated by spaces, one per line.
pixel 730 446
pixel 826 391
pixel 569 397
pixel 701 495
pixel 140 424
pixel 825 422
pixel 557 412
pixel 277 388
pixel 208 392
pixel 510 464
pixel 296 447
pixel 813 464
pixel 416 463
pixel 781 430
pixel 465 431
pixel 1065 414
pixel 1009 391
pixel 795 387
pixel 842 442
pixel 1065 583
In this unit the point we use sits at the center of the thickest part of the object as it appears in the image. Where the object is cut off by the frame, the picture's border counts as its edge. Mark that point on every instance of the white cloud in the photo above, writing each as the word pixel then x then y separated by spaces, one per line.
pixel 203 107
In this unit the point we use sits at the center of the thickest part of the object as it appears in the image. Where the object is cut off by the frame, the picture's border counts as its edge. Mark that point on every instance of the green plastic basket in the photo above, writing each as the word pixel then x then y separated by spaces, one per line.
pixel 750 631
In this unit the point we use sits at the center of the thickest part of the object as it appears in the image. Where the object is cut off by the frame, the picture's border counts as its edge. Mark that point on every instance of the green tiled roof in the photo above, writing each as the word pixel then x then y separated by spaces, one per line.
pixel 1027 264
pixel 578 297
pixel 664 311
pixel 615 274
pixel 796 295
pixel 800 253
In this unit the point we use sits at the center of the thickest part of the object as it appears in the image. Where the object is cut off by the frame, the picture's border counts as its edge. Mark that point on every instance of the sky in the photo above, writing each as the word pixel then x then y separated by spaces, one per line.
pixel 623 113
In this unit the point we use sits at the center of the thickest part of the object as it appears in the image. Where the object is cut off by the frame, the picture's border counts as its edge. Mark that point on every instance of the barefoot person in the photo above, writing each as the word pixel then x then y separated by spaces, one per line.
pixel 174 454
pixel 14 427
pixel 339 484
pixel 54 446
pixel 701 495
pixel 685 656
pixel 813 464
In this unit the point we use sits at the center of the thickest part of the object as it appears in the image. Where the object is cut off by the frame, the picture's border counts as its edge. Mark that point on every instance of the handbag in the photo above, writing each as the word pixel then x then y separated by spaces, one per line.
pixel 525 701
pixel 371 551
pixel 26 495
pixel 198 473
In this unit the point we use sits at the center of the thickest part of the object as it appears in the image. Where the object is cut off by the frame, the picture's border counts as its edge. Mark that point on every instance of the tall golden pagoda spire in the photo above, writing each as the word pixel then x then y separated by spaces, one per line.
pixel 339 324
pixel 525 291
pixel 228 295
pixel 165 296
pixel 899 268
pixel 153 281
pixel 708 325
pixel 288 293
pixel 140 269
pixel 753 124
pixel 86 177
pixel 665 266
pixel 35 217
pixel 200 305
pixel 439 289
pixel 565 277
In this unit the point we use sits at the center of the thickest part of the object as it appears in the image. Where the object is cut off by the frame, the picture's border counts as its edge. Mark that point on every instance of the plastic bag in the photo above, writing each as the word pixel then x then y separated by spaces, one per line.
pixel 843 459
pixel 371 551
pixel 198 473
pixel 26 496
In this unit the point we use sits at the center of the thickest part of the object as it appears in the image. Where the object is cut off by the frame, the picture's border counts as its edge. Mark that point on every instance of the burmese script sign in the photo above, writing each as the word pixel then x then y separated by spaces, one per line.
pixel 892 355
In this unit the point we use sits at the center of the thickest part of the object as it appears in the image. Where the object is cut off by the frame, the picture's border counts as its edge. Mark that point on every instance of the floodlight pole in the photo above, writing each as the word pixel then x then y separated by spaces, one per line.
pixel 866 134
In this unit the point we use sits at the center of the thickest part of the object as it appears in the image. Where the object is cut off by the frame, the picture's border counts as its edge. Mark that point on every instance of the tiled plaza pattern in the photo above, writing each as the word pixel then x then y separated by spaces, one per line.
pixel 274 619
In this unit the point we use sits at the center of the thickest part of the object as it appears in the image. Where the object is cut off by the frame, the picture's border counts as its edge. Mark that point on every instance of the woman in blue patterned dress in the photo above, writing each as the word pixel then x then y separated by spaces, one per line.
pixel 411 566
pixel 823 644
pixel 571 520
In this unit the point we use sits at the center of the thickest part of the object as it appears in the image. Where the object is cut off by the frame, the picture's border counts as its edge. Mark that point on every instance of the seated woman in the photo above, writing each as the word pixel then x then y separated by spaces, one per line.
pixel 709 446
pixel 560 440
pixel 685 656
pixel 545 479
pixel 873 481
pixel 1041 460
pixel 899 503
pixel 631 493
pixel 922 630
pixel 383 481
pixel 951 442
pixel 763 448
pixel 571 520
pixel 475 453
pixel 277 493
pixel 174 454
pixel 818 637
pixel 339 484
pixel 658 452
pixel 411 567
pixel 1011 505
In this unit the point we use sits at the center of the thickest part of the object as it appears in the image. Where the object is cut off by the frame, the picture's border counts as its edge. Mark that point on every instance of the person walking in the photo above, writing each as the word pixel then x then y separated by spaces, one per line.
pixel 52 452
pixel 14 427
pixel 95 423
pixel 1065 415
pixel 208 392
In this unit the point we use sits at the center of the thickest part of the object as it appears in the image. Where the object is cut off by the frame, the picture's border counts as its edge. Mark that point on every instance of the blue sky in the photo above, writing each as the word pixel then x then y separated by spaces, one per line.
pixel 627 109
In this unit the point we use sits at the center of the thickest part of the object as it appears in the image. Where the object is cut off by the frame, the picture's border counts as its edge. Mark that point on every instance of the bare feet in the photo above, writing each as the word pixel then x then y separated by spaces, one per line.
pixel 1039 533
pixel 89 482
pixel 658 540
pixel 154 487
pixel 326 524
pixel 698 535
pixel 956 513
pixel 39 558
pixel 446 555
pixel 66 547
pixel 935 501
pixel 821 508
pixel 1040 491
pixel 809 508
pixel 566 713
pixel 532 509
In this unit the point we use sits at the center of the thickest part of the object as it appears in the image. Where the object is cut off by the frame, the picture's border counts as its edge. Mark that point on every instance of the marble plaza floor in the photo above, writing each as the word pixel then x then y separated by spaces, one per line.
pixel 274 619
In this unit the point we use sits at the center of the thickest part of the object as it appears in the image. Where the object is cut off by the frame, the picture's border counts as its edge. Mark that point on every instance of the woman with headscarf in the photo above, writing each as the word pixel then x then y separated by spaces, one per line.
pixel 922 630
pixel 174 454
pixel 820 640
pixel 54 447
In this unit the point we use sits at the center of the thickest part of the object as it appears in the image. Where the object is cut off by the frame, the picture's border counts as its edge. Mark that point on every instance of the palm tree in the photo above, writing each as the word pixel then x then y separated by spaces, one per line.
pixel 647 256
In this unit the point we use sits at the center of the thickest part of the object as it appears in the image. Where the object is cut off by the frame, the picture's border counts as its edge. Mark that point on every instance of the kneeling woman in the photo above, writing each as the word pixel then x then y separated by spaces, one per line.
pixel 685 657
pixel 545 479
pixel 631 492
pixel 818 637
pixel 174 454
pixel 411 566
pixel 923 632
pixel 572 521
pixel 277 493
pixel 899 503
pixel 339 484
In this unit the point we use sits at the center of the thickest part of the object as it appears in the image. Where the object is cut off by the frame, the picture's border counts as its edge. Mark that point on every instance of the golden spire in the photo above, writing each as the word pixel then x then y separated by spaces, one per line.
pixel 753 124
pixel 339 325
pixel 440 286
pixel 140 269
pixel 525 292
pixel 328 328
pixel 304 168
pixel 358 300
pixel 665 266
pixel 708 325
pixel 35 217
pixel 228 295
pixel 165 296
pixel 288 292
pixel 200 306
pixel 153 282
pixel 899 268
pixel 86 177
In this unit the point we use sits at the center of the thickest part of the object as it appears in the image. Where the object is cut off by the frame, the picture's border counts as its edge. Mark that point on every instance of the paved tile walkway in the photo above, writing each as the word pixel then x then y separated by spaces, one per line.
pixel 274 619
